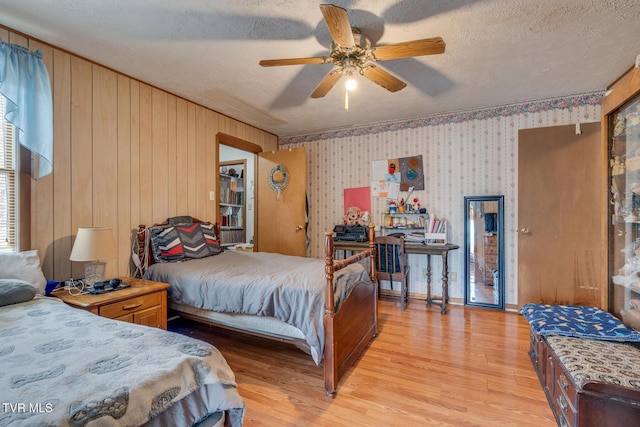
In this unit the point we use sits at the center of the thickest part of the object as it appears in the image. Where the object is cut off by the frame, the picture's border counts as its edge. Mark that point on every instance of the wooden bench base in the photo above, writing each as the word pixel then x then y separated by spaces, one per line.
pixel 587 382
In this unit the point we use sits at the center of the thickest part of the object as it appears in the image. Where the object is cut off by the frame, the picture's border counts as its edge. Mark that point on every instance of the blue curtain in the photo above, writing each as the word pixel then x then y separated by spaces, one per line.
pixel 24 81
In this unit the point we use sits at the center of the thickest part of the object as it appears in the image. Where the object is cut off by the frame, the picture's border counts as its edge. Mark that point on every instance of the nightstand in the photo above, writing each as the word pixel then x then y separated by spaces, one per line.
pixel 144 303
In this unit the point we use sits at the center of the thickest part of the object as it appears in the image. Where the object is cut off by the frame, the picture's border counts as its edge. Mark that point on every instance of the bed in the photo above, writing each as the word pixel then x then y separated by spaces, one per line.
pixel 64 366
pixel 328 308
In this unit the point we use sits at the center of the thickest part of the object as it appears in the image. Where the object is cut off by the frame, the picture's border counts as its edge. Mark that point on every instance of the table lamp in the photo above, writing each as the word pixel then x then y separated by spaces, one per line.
pixel 92 246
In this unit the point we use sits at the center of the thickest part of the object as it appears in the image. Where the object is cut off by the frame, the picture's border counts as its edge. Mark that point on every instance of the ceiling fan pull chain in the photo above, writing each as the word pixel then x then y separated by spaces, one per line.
pixel 346 100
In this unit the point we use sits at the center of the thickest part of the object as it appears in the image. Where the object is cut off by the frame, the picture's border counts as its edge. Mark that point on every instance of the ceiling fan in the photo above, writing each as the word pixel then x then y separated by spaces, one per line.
pixel 351 52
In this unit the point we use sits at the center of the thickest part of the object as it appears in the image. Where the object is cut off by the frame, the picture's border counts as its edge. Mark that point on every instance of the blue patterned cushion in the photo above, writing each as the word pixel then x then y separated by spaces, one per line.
pixel 577 321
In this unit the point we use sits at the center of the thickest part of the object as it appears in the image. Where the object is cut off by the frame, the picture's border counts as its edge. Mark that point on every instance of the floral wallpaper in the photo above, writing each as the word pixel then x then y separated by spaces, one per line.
pixel 470 153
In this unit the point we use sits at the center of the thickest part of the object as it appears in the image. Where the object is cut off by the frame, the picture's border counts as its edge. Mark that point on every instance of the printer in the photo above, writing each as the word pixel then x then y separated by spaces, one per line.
pixel 351 233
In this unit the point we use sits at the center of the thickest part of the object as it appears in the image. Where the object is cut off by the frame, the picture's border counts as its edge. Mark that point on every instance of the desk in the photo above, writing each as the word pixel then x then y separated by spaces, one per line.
pixel 416 248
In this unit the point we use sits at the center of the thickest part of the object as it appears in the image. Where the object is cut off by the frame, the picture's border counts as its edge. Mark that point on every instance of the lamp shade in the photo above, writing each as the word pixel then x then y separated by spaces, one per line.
pixel 93 244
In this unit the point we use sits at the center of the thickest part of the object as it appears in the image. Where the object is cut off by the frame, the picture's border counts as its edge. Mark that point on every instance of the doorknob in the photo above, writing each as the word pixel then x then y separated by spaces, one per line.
pixel 525 231
pixel 299 227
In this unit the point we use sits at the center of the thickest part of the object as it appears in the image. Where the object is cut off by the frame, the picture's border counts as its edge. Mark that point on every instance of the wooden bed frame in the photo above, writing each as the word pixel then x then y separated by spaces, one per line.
pixel 347 331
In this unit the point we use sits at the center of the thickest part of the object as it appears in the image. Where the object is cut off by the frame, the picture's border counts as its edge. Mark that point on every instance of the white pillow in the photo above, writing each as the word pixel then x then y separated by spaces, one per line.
pixel 24 266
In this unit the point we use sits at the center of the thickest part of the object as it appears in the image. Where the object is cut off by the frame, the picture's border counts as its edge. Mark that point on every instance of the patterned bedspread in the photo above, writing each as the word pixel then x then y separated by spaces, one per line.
pixel 577 321
pixel 62 366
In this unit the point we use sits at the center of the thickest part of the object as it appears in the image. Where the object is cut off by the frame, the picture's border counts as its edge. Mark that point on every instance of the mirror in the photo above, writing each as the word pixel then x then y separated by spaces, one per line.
pixel 484 251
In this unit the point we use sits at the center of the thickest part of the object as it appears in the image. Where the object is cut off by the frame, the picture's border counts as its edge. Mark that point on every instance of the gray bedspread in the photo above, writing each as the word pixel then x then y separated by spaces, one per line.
pixel 61 366
pixel 288 288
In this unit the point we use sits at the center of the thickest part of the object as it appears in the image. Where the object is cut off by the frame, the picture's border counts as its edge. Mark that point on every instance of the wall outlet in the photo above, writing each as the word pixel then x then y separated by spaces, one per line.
pixel 453 276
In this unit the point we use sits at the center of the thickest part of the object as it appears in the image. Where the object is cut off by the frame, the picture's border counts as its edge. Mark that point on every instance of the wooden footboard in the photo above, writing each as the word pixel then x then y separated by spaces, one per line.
pixel 348 330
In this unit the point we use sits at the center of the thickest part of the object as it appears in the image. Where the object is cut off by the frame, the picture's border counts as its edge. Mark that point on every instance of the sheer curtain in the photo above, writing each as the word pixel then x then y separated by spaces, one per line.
pixel 24 82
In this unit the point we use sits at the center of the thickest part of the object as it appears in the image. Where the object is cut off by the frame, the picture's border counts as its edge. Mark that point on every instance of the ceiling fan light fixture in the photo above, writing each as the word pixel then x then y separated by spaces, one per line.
pixel 351 84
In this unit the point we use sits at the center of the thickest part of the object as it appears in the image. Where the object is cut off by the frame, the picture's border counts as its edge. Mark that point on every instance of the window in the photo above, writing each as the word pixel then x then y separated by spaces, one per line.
pixel 8 183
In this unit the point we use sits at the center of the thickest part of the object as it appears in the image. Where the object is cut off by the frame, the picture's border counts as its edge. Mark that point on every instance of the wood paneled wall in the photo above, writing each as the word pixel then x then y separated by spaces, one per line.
pixel 125 153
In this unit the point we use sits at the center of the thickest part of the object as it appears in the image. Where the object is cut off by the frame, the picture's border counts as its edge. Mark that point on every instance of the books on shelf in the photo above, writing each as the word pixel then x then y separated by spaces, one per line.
pixel 229 236
pixel 436 232
pixel 231 197
pixel 231 217
pixel 232 220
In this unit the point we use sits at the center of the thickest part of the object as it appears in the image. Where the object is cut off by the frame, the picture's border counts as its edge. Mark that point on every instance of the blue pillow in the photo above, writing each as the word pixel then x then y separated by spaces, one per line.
pixel 15 291
pixel 577 321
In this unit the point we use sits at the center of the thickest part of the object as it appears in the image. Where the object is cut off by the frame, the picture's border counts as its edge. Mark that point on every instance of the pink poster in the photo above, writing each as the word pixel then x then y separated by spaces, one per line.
pixel 359 197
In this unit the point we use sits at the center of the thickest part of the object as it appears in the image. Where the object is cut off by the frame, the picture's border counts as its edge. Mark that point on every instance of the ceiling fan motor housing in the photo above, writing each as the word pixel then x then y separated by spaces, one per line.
pixel 355 56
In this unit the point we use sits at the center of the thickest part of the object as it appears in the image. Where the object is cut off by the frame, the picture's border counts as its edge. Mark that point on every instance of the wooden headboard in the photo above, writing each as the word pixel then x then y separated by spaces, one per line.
pixel 145 254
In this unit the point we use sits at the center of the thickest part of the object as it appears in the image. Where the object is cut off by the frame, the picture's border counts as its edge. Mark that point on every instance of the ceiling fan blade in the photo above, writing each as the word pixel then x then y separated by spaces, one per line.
pixel 337 20
pixel 383 78
pixel 292 61
pixel 326 84
pixel 432 46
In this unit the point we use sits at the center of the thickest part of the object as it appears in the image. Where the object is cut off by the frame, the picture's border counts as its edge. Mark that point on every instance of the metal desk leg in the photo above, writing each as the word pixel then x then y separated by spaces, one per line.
pixel 429 300
pixel 445 283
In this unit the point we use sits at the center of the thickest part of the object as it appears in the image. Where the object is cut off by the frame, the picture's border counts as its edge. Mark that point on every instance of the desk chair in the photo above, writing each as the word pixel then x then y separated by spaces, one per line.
pixel 391 264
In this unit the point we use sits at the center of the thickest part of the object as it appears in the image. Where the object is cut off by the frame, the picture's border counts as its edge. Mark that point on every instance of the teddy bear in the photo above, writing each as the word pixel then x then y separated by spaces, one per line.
pixel 365 218
pixel 352 216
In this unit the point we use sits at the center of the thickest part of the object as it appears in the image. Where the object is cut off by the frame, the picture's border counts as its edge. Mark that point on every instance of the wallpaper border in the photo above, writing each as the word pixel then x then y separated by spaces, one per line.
pixel 560 103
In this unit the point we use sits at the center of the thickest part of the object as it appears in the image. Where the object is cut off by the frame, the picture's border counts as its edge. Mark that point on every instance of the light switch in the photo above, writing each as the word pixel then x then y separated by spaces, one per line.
pixel 212 195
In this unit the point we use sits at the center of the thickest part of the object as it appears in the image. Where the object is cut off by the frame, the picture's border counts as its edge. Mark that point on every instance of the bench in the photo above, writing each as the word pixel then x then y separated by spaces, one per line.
pixel 587 381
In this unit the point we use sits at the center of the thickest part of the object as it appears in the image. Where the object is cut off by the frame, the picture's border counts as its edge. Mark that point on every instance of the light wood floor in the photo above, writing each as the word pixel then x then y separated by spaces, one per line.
pixel 469 367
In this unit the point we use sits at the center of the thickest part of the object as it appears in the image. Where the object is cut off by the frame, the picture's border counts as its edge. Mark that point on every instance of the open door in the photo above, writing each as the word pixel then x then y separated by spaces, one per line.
pixel 560 241
pixel 281 214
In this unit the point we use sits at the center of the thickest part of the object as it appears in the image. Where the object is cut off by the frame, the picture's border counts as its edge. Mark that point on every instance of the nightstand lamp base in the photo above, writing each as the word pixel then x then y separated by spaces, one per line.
pixel 94 272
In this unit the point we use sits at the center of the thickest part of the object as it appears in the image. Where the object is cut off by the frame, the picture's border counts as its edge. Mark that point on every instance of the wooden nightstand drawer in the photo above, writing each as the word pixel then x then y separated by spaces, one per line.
pixel 122 308
pixel 144 302
pixel 148 317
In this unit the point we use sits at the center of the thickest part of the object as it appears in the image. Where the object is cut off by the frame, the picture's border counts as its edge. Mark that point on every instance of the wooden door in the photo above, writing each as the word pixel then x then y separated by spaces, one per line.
pixel 281 224
pixel 561 232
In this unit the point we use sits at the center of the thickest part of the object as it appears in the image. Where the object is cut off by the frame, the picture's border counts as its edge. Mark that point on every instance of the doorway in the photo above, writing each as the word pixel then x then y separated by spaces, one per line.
pixel 236 209
pixel 282 225
pixel 233 151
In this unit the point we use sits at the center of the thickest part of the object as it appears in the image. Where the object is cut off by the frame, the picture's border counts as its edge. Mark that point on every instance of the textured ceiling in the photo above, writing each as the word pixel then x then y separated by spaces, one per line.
pixel 497 52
